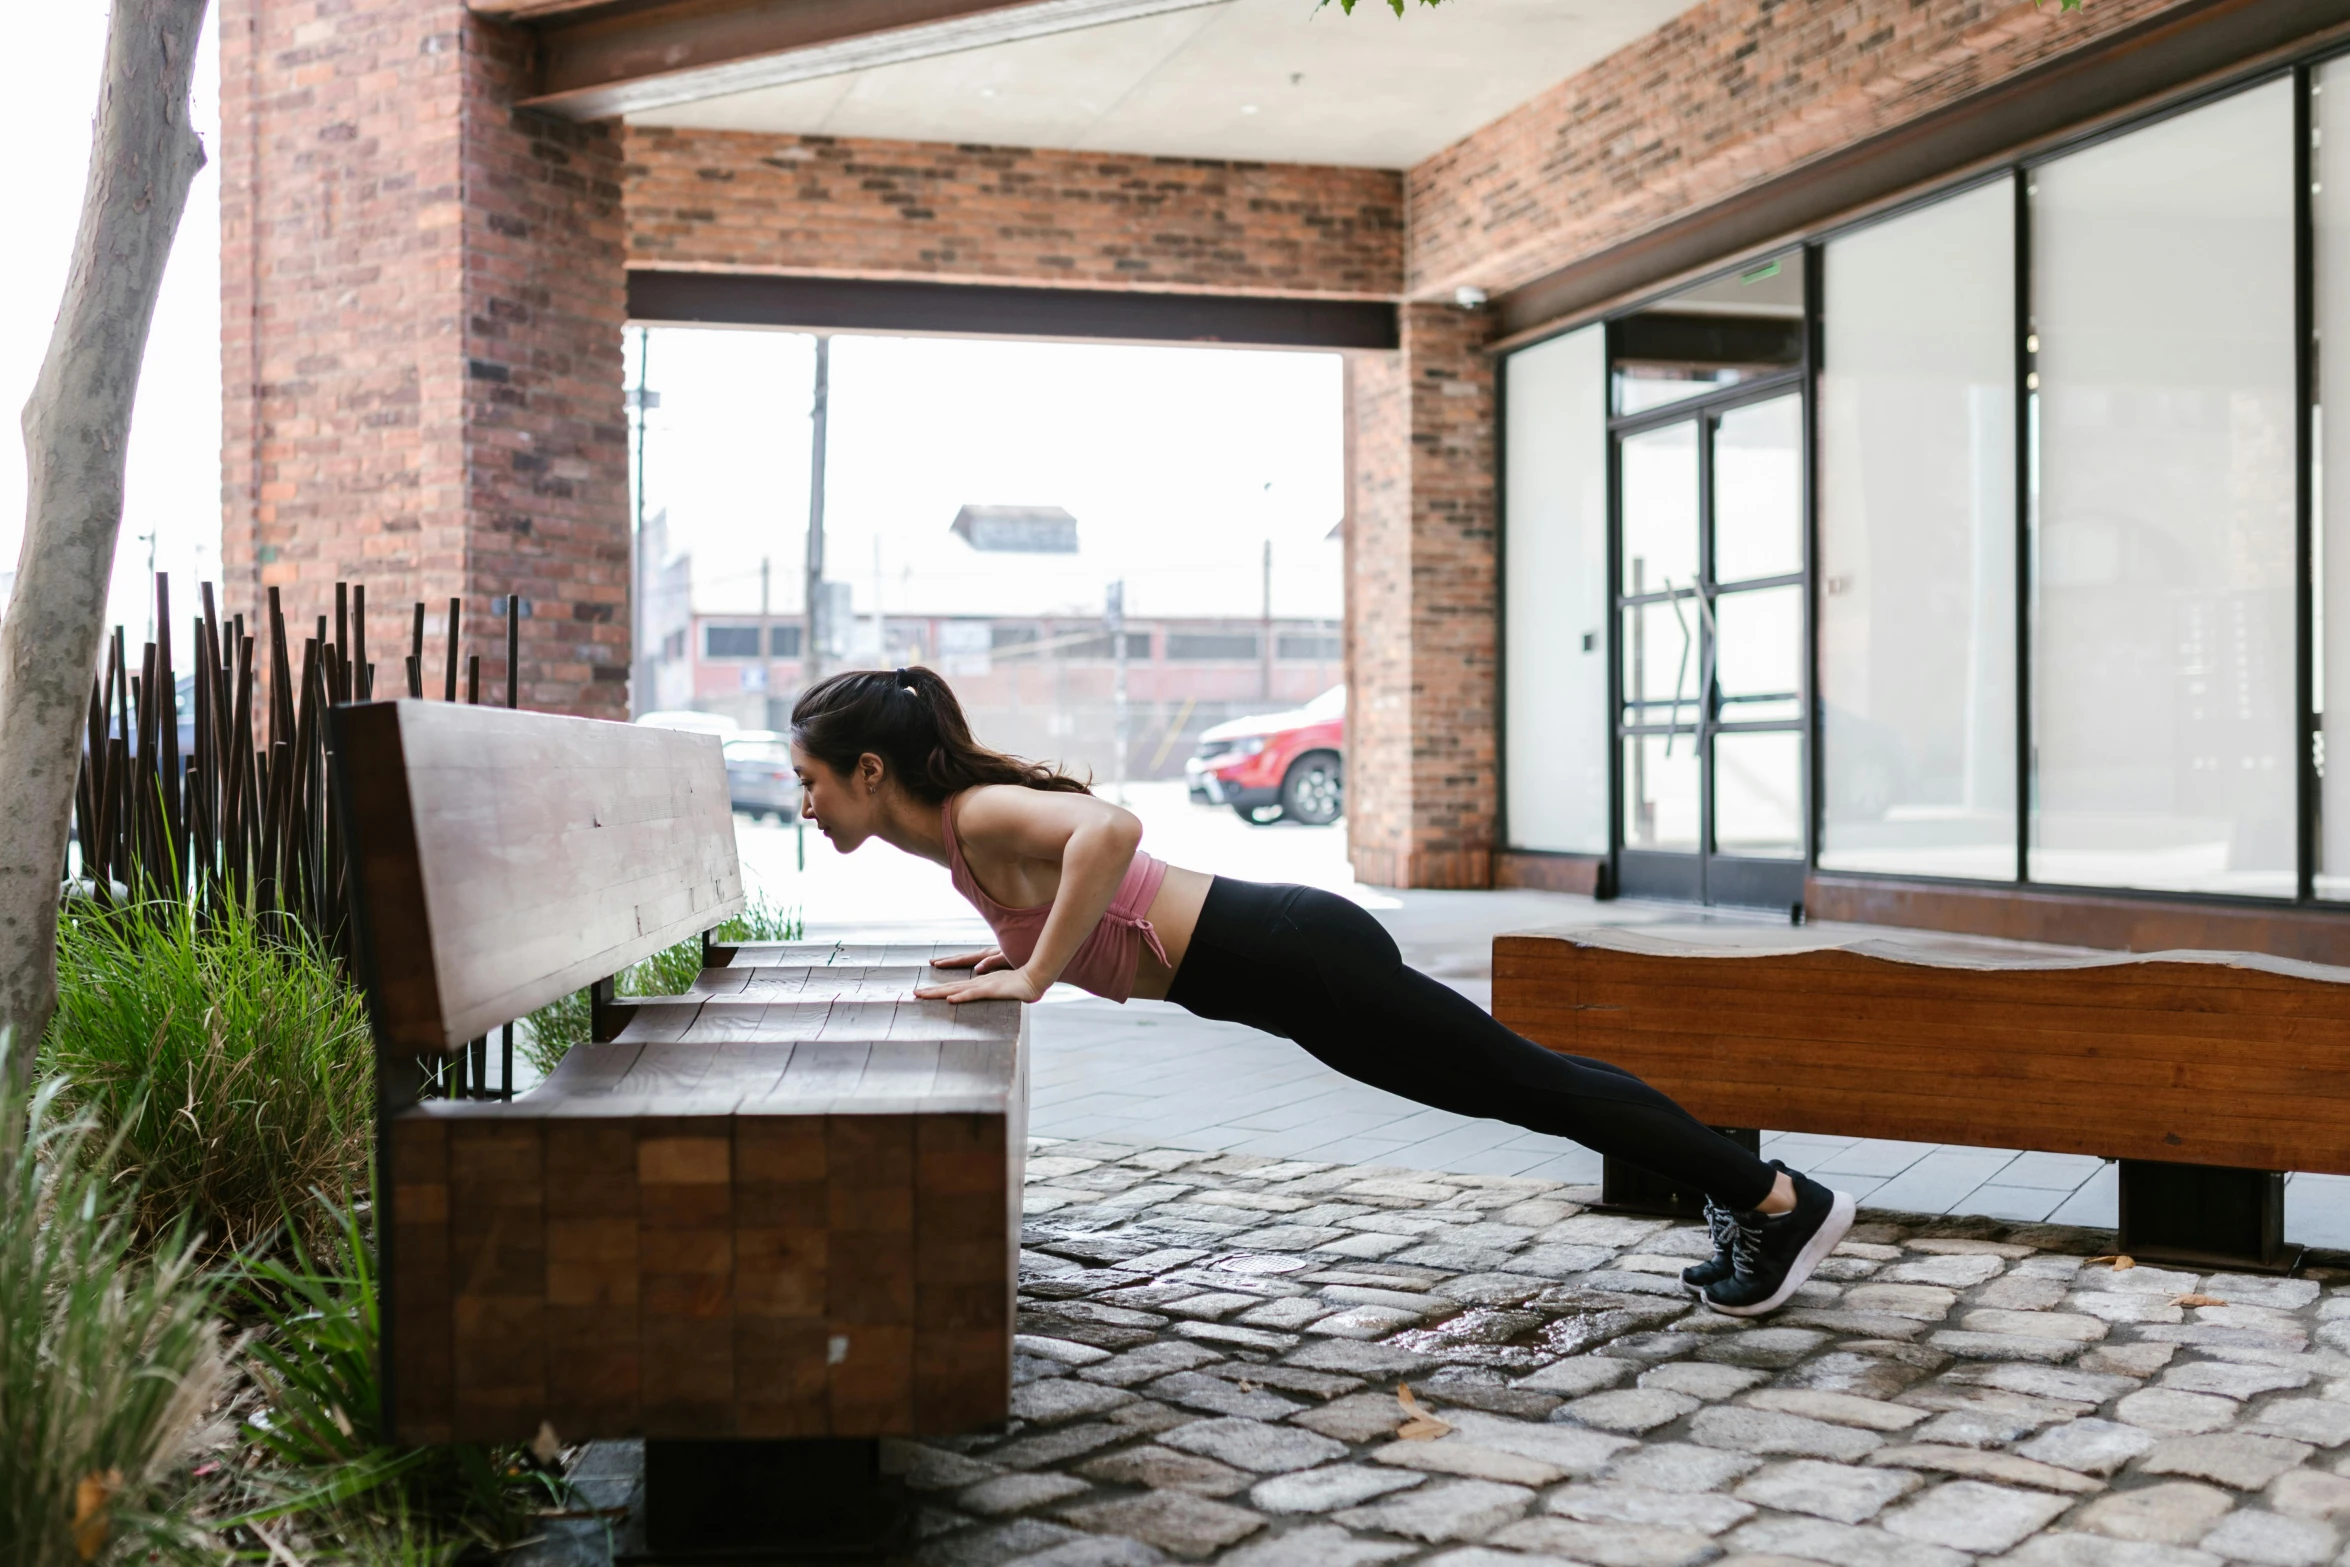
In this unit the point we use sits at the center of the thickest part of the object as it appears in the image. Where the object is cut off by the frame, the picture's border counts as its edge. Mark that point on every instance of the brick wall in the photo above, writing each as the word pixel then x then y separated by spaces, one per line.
pixel 422 299
pixel 1421 594
pixel 1721 98
pixel 824 206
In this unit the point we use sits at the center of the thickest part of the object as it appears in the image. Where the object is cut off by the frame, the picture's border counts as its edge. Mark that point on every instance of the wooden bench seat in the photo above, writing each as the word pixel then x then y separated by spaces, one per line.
pixel 2204 1059
pixel 784 1204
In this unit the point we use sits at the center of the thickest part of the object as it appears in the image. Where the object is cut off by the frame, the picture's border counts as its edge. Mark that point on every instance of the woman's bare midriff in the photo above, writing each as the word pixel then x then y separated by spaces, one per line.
pixel 1174 913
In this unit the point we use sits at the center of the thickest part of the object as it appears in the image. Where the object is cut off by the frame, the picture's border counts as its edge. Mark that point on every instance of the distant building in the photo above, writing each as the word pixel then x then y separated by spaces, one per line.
pixel 1021 638
pixel 1017 530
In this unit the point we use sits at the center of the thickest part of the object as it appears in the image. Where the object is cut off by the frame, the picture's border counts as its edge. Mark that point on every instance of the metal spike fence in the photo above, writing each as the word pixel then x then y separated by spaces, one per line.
pixel 247 819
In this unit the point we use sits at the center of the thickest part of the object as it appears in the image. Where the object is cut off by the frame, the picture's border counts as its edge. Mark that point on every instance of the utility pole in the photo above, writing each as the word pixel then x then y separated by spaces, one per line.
pixel 641 401
pixel 1265 670
pixel 811 653
pixel 1115 619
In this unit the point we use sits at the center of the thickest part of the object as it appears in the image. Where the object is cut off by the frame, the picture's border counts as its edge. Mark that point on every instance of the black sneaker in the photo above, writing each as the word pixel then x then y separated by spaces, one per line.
pixel 1773 1254
pixel 1720 1223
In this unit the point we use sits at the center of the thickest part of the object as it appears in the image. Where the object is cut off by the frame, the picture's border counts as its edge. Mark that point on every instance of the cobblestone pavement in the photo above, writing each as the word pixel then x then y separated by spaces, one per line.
pixel 1211 1348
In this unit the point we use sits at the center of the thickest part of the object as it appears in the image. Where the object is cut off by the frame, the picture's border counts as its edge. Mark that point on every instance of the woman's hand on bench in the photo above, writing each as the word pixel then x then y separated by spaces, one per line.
pixel 993 978
pixel 977 962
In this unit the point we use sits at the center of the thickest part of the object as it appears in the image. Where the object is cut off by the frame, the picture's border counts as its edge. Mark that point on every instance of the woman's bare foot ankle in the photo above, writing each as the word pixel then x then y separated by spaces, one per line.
pixel 1782 1197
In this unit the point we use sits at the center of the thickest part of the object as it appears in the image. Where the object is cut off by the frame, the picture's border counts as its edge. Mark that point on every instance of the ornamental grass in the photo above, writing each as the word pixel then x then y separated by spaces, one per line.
pixel 229 1064
pixel 109 1352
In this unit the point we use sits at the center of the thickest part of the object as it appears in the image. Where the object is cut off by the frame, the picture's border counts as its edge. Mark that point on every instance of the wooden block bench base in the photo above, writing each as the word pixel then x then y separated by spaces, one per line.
pixel 821 1499
pixel 2229 1065
pixel 2206 1215
pixel 784 1204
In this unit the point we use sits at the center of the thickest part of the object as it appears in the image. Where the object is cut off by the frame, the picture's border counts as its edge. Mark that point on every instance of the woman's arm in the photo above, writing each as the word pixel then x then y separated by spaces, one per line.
pixel 1093 840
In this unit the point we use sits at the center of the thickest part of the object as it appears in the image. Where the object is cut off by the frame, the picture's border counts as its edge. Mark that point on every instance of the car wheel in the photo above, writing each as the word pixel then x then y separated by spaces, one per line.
pixel 1314 792
pixel 1258 815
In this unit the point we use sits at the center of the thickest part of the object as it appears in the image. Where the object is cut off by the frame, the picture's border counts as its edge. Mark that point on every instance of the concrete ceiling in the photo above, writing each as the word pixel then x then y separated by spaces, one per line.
pixel 1251 80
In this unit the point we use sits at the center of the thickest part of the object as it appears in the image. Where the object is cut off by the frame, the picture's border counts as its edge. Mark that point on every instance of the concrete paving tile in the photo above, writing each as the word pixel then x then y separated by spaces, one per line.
pixel 2017 1204
pixel 2060 1172
pixel 1880 1159
pixel 1939 1182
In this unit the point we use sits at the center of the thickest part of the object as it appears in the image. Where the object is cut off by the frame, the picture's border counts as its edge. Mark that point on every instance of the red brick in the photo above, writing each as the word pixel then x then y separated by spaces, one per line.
pixel 821 206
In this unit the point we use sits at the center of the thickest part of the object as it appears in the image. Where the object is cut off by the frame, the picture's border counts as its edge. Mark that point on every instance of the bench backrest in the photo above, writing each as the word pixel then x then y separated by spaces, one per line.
pixel 501 860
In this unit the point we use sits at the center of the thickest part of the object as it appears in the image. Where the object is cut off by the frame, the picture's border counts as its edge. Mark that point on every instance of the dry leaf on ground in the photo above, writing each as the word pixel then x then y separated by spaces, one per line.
pixel 2197 1300
pixel 1423 1426
pixel 2119 1263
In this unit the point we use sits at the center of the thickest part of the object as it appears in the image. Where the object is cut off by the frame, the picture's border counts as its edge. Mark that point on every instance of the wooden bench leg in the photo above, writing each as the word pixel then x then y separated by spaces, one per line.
pixel 1627 1188
pixel 814 1497
pixel 2204 1215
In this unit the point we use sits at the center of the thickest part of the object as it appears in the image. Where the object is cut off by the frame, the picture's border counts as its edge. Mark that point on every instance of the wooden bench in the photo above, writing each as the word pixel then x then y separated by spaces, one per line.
pixel 783 1205
pixel 2206 1074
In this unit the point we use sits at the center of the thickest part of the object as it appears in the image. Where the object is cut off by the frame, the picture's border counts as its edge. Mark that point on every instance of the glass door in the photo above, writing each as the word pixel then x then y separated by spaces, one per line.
pixel 1711 605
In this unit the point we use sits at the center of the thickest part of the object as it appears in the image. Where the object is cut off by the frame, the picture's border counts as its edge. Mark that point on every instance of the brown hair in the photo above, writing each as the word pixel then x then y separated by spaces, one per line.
pixel 911 720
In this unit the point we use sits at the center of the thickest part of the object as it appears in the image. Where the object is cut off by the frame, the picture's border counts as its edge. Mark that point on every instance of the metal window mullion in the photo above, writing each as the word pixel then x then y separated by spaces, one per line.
pixel 1815 283
pixel 1708 422
pixel 2025 439
pixel 2308 786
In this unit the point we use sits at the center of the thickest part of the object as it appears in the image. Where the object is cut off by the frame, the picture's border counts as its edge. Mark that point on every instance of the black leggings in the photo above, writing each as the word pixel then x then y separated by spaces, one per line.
pixel 1312 967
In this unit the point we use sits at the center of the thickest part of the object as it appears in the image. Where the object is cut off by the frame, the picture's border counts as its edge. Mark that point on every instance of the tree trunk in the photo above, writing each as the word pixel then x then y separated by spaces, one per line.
pixel 76 428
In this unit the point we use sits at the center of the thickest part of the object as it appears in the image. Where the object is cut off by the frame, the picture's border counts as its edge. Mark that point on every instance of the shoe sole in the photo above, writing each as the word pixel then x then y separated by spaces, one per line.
pixel 1823 1241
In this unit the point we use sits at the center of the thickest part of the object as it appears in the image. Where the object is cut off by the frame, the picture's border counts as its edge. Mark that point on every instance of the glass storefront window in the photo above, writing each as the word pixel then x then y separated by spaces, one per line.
pixel 1758 795
pixel 1661 792
pixel 1556 595
pixel 1759 654
pixel 2164 639
pixel 1918 542
pixel 2329 212
pixel 1661 673
pixel 2109 485
pixel 1659 485
pixel 1758 491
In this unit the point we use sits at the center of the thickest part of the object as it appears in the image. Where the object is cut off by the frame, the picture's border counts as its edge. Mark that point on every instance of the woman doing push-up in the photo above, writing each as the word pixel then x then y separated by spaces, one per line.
pixel 1061 879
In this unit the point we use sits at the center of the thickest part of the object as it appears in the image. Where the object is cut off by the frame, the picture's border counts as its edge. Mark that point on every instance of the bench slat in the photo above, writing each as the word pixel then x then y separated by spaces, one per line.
pixel 507 859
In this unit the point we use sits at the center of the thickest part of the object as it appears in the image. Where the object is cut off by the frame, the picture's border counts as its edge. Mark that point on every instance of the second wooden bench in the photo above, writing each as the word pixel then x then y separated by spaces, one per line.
pixel 2205 1074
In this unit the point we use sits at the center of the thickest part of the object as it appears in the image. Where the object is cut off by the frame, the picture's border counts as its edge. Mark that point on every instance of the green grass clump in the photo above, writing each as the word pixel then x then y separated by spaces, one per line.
pixel 322 1467
pixel 232 1067
pixel 108 1356
pixel 557 1026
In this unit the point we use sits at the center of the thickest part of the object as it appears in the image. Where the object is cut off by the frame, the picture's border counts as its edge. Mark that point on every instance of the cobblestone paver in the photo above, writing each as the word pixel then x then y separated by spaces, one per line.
pixel 1211 1349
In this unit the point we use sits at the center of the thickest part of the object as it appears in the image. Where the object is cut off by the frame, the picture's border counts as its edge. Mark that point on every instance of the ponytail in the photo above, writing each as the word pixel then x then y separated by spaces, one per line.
pixel 911 720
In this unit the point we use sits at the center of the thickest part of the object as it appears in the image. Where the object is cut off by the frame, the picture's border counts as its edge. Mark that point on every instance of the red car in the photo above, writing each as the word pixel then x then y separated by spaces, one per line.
pixel 1276 766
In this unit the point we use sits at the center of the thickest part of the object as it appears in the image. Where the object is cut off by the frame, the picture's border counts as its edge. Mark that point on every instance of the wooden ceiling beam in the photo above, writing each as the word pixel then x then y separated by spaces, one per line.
pixel 599 59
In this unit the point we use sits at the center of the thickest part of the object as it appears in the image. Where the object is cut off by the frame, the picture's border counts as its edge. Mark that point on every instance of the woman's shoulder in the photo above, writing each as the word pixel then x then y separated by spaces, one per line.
pixel 985 808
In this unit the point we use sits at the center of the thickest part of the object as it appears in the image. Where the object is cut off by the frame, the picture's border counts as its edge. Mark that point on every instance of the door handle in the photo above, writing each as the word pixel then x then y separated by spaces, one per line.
pixel 1708 703
pixel 1680 671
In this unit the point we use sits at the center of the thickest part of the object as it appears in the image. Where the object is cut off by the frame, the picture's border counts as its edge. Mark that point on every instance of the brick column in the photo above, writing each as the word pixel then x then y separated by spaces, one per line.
pixel 422 301
pixel 1420 604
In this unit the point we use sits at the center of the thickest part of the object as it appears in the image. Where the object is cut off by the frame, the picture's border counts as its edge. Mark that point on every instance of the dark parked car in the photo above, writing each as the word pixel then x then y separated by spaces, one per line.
pixel 1276 766
pixel 759 775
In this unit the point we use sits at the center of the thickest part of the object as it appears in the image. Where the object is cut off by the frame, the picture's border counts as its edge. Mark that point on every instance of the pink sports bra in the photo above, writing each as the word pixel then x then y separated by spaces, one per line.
pixel 1105 962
